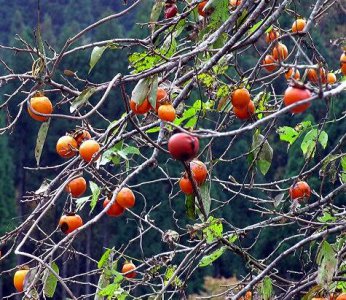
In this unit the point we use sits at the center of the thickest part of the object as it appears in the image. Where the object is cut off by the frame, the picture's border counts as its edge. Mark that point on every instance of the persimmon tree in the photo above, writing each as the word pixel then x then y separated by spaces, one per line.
pixel 188 98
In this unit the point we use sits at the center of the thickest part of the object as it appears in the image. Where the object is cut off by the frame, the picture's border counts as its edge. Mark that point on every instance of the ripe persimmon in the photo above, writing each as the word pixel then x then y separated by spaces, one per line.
pixel 269 63
pixel 341 297
pixel 171 11
pixel 18 279
pixel 115 209
pixel 140 109
pixel 128 267
pixel 201 11
pixel 166 112
pixel 240 98
pixel 66 146
pixel 289 74
pixel 77 187
pixel 81 135
pixel 331 78
pixel 126 198
pixel 272 35
pixel 88 149
pixel 280 52
pixel 300 190
pixel 42 105
pixel 298 25
pixel 185 185
pixel 293 95
pixel 248 296
pixel 235 3
pixel 70 222
pixel 313 76
pixel 199 171
pixel 183 146
pixel 246 112
pixel 161 96
pixel 343 63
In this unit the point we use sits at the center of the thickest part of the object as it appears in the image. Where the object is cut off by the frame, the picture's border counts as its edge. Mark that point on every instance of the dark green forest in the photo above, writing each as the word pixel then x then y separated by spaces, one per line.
pixel 62 19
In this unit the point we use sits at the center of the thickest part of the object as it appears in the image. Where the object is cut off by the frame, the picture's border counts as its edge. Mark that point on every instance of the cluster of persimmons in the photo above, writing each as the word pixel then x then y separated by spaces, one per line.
pixel 182 146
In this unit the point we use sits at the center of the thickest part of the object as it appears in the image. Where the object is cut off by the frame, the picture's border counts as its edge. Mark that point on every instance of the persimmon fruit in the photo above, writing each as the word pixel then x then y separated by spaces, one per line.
pixel 246 112
pixel 199 171
pixel 42 105
pixel 115 209
pixel 269 63
pixel 240 98
pixel 129 267
pixel 77 187
pixel 142 108
pixel 126 198
pixel 66 146
pixel 201 11
pixel 291 73
pixel 298 25
pixel 313 76
pixel 18 279
pixel 70 222
pixel 235 3
pixel 293 95
pixel 331 78
pixel 88 149
pixel 171 11
pixel 341 297
pixel 166 112
pixel 183 146
pixel 280 52
pixel 81 135
pixel 343 63
pixel 272 35
pixel 185 185
pixel 300 190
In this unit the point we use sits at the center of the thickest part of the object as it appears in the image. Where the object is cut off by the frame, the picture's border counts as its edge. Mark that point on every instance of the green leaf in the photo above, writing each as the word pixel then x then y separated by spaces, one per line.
pixel 232 238
pixel 51 281
pixel 80 202
pixel 169 46
pixel 95 56
pixel 209 259
pixel 256 26
pixel 266 288
pixel 323 139
pixel 153 130
pixel 326 218
pixel 205 195
pixel 262 152
pixel 141 91
pixel 156 11
pixel 327 264
pixel 104 258
pixel 190 207
pixel 82 98
pixel 312 292
pixel 41 138
pixel 109 290
pixel 308 145
pixel 128 150
pixel 95 189
pixel 214 229
pixel 261 101
pixel 287 134
pixel 343 165
pixel 143 61
pixel 168 275
pixel 153 91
